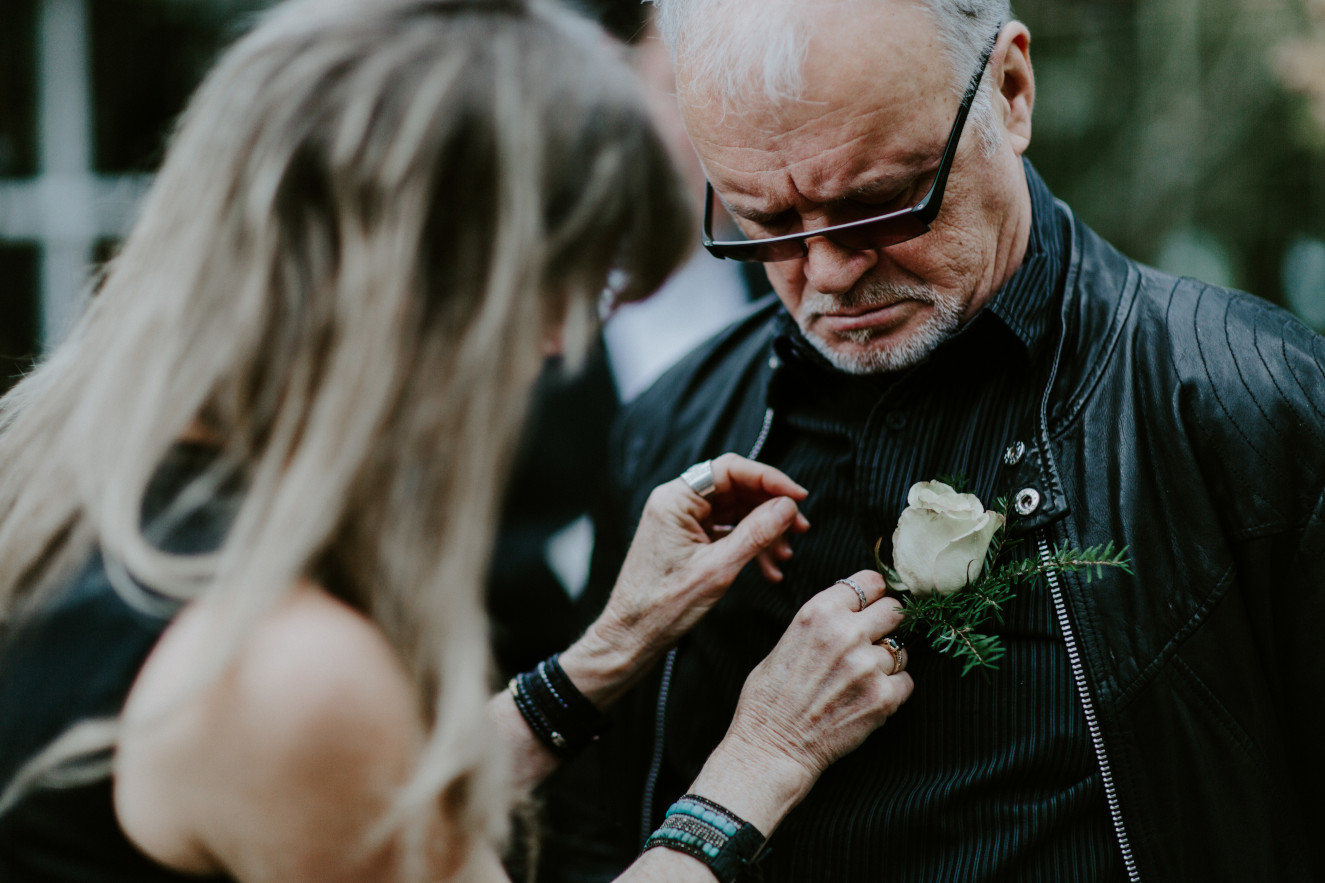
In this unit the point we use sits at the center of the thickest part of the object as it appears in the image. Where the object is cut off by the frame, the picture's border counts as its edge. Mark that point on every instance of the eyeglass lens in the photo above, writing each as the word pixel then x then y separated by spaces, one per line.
pixel 879 233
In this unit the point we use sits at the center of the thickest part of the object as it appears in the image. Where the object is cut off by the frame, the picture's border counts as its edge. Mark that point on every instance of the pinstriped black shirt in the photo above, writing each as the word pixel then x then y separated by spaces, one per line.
pixel 973 779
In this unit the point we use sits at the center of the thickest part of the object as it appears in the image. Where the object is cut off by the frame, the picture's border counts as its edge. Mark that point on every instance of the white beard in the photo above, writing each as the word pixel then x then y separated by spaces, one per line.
pixel 944 319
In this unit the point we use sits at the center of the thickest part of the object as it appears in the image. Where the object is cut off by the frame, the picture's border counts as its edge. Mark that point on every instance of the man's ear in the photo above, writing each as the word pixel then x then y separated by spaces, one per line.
pixel 1016 84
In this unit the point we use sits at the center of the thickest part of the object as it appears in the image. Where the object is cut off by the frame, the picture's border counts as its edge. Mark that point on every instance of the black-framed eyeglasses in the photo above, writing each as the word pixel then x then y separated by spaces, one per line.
pixel 864 235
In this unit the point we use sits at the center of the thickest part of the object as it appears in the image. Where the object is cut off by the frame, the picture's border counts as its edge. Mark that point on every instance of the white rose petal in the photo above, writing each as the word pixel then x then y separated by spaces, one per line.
pixel 941 539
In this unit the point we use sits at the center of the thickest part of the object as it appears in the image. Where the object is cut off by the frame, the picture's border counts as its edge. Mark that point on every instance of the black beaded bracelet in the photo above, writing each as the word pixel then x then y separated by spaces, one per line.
pixel 560 715
pixel 719 838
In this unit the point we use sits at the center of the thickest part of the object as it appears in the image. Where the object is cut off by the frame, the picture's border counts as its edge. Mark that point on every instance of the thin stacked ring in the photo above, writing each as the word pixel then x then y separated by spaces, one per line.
pixel 860 593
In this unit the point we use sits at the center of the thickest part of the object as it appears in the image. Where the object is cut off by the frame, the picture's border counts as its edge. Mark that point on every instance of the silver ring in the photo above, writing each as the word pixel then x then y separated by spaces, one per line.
pixel 891 644
pixel 700 478
pixel 860 593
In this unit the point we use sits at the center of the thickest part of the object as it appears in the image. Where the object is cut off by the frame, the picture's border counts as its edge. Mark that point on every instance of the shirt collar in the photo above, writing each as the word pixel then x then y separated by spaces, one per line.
pixel 1024 302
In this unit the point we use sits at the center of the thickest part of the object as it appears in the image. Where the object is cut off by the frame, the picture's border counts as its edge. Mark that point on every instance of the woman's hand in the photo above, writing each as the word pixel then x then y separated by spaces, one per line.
pixel 687 551
pixel 822 690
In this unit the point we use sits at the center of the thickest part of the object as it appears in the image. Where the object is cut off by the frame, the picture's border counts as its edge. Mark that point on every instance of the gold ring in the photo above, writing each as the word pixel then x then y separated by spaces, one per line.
pixel 889 643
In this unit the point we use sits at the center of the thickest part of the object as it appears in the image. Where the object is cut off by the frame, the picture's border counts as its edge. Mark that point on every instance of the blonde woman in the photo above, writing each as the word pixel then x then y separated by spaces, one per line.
pixel 245 511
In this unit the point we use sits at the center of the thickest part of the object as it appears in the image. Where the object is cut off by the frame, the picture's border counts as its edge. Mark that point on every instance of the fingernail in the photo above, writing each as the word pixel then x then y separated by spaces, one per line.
pixel 784 507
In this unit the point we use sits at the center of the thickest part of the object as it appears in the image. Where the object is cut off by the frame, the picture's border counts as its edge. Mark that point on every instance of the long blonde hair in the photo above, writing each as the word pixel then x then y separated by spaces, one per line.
pixel 371 217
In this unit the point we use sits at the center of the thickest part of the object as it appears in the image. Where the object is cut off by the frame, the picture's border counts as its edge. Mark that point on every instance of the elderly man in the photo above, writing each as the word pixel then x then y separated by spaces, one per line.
pixel 938 312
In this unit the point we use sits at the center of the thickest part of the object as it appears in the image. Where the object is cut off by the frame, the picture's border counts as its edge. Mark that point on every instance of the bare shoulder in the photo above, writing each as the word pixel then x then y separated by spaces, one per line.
pixel 315 670
pixel 278 767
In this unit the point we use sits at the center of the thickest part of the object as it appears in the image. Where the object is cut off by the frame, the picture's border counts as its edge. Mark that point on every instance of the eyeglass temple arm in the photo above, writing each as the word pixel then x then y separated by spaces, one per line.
pixel 929 206
pixel 708 213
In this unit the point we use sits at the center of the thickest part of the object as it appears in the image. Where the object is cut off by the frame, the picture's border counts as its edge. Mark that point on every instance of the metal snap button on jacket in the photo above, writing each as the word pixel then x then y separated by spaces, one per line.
pixel 1028 500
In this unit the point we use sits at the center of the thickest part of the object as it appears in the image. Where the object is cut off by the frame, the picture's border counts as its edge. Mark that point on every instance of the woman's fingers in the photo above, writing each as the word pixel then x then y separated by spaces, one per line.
pixel 732 488
pixel 768 566
pixel 827 684
pixel 732 472
pixel 872 618
pixel 743 515
pixel 897 659
pixel 681 561
pixel 756 533
pixel 881 615
pixel 860 590
pixel 770 560
pixel 882 618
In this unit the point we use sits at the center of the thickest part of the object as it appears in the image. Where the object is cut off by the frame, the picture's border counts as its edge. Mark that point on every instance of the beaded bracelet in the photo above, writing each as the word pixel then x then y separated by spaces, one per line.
pixel 560 715
pixel 717 837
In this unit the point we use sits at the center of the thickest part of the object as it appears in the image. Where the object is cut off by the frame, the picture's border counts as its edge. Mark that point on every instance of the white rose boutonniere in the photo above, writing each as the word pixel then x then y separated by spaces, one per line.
pixel 948 565
pixel 942 539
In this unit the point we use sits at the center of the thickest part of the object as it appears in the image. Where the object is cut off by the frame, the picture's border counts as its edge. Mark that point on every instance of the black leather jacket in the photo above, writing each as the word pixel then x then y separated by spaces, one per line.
pixel 1188 423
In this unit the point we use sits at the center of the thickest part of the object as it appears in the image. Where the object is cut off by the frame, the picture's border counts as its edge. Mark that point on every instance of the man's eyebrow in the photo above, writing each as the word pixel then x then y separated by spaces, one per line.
pixel 754 215
pixel 913 168
pixel 881 187
pixel 885 186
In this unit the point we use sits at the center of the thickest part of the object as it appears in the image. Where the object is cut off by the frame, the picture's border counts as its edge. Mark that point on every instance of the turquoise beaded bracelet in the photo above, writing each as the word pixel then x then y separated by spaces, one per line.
pixel 719 838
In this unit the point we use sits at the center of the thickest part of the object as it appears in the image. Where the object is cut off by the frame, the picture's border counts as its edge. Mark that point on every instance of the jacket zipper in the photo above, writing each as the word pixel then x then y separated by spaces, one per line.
pixel 660 710
pixel 1088 706
pixel 655 764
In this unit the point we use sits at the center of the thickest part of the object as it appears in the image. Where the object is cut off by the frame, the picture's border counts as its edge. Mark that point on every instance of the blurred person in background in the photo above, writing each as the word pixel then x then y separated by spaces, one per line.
pixel 941 313
pixel 704 295
pixel 245 510
pixel 545 539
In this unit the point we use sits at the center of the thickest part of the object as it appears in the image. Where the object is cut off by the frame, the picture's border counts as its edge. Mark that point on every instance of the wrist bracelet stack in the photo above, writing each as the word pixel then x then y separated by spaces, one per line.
pixel 710 833
pixel 558 713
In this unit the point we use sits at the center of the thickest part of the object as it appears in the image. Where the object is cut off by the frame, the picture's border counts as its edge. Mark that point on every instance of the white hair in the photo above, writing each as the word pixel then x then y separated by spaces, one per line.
pixel 734 53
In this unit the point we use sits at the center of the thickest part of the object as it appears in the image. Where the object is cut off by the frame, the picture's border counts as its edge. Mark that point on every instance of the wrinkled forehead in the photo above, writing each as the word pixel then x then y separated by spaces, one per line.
pixel 874 80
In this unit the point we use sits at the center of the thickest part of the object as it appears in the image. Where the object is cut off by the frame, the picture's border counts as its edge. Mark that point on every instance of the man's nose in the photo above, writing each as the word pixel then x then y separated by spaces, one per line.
pixel 832 269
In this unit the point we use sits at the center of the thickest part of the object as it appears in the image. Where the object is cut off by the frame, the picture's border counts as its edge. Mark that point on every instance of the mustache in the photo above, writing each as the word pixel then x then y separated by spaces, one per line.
pixel 870 295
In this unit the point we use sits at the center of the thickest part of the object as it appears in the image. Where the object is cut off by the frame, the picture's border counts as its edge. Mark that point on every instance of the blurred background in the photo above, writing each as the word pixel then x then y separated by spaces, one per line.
pixel 1171 126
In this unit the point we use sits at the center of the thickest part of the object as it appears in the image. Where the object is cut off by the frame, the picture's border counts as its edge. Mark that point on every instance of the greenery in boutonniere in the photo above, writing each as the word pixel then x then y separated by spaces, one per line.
pixel 950 572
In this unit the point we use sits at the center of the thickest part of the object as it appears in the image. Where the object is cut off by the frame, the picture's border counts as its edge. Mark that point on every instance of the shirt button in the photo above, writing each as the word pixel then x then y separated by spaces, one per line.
pixel 1028 500
pixel 1012 456
pixel 895 421
pixel 774 362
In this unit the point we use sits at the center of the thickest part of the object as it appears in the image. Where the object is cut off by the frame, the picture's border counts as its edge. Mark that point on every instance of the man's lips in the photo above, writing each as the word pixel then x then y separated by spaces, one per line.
pixel 856 318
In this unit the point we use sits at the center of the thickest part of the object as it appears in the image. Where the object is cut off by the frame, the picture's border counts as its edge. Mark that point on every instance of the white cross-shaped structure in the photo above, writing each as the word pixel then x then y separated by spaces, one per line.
pixel 66 208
